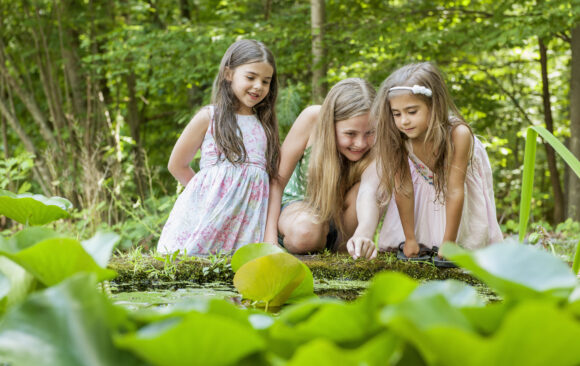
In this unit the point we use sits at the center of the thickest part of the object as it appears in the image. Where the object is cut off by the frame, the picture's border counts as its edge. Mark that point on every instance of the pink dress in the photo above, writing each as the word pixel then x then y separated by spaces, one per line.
pixel 478 226
pixel 224 206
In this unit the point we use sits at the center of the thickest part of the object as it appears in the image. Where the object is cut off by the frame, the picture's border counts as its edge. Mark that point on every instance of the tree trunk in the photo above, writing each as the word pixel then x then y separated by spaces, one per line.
pixel 550 153
pixel 267 9
pixel 574 187
pixel 318 51
pixel 134 118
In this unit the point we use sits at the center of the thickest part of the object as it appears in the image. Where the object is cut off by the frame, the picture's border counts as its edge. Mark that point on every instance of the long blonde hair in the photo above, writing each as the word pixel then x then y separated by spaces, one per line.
pixel 330 174
pixel 391 149
pixel 226 130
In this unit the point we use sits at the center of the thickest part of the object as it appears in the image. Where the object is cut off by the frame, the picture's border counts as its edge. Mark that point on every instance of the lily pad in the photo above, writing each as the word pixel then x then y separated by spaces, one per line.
pixel 516 270
pixel 270 279
pixel 252 251
pixel 66 325
pixel 55 259
pixel 33 209
pixel 194 339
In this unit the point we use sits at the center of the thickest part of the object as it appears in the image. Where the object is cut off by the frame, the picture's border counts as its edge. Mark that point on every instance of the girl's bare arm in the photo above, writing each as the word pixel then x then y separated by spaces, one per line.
pixel 462 140
pixel 186 147
pixel 367 213
pixel 290 152
pixel 405 199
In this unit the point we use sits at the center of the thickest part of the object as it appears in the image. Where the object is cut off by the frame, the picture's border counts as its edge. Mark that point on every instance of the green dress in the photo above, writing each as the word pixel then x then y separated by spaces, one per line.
pixel 296 188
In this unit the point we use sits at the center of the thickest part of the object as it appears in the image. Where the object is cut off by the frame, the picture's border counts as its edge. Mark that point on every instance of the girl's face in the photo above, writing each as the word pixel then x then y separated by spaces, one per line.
pixel 250 84
pixel 411 115
pixel 354 136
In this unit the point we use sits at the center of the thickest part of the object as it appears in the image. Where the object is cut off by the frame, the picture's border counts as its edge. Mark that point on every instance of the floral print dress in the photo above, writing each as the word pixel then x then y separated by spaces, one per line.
pixel 224 206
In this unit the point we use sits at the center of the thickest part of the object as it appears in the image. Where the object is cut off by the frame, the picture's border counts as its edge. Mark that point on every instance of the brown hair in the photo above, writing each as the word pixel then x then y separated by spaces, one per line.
pixel 331 175
pixel 227 133
pixel 391 149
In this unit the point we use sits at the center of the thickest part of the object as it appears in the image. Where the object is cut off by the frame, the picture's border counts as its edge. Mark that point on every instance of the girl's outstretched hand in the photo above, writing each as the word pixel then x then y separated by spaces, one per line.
pixel 361 247
pixel 411 248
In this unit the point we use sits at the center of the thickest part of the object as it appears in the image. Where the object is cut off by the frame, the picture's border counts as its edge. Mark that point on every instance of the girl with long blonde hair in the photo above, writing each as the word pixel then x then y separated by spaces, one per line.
pixel 312 203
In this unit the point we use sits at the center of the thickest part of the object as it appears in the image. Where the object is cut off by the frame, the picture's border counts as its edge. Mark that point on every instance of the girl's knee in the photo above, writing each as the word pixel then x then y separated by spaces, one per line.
pixel 305 236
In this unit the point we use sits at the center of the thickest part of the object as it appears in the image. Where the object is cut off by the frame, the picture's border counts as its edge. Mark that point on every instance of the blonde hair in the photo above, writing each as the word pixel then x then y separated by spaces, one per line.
pixel 330 174
pixel 390 147
pixel 226 130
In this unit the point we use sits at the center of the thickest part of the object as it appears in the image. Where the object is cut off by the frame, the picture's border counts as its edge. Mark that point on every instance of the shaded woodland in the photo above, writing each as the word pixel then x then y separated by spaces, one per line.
pixel 93 94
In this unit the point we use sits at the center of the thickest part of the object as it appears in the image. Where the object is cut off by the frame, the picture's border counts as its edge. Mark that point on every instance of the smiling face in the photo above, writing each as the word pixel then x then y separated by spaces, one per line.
pixel 250 84
pixel 411 115
pixel 354 137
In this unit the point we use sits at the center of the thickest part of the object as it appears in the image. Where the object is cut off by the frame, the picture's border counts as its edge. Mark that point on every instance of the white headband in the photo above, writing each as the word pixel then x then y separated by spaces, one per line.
pixel 415 89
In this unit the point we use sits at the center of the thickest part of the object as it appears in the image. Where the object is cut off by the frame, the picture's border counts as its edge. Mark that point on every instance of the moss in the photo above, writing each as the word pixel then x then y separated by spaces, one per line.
pixel 145 271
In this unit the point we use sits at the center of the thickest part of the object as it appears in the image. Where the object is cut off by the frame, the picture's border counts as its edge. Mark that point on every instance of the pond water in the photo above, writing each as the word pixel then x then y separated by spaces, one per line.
pixel 170 293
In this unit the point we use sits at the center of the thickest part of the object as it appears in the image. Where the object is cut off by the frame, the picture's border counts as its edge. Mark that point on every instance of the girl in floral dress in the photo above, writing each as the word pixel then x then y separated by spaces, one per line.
pixel 433 166
pixel 224 205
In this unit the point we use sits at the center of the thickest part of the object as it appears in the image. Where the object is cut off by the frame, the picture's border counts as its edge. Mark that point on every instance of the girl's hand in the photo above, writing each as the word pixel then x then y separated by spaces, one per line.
pixel 411 248
pixel 359 246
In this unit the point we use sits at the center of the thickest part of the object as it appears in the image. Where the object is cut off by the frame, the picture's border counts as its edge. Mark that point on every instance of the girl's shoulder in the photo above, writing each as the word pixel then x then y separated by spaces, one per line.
pixel 203 117
pixel 462 138
pixel 308 117
pixel 303 126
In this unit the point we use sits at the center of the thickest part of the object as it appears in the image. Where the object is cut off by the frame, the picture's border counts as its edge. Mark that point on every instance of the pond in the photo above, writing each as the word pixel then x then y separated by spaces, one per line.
pixel 171 293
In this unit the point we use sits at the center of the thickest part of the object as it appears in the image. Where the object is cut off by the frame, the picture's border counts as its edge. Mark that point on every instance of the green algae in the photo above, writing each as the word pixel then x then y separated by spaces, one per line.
pixel 150 280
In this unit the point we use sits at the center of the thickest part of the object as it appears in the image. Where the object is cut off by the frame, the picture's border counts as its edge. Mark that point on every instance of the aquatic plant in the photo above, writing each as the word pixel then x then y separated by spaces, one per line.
pixel 55 313
pixel 528 177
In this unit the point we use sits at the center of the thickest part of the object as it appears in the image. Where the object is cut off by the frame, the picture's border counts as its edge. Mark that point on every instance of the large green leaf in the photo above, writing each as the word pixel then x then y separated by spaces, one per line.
pixel 252 251
pixel 33 209
pixel 387 288
pixel 458 294
pixel 516 271
pixel 27 238
pixel 321 352
pixel 67 325
pixel 101 246
pixel 522 339
pixel 194 339
pixel 17 283
pixel 53 260
pixel 270 279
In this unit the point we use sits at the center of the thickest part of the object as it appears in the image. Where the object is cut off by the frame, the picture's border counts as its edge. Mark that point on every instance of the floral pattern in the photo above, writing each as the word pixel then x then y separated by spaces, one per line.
pixel 224 206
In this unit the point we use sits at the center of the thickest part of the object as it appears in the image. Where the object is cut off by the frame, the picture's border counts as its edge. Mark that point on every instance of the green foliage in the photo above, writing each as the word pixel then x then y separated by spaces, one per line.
pixel 397 320
pixel 269 276
pixel 528 174
pixel 30 209
pixel 16 170
pixel 70 324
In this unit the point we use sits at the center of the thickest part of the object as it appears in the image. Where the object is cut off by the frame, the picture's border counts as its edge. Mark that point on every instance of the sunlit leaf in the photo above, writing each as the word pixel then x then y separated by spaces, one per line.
pixel 67 325
pixel 270 279
pixel 252 251
pixel 516 271
pixel 100 247
pixel 32 209
pixel 194 339
pixel 53 260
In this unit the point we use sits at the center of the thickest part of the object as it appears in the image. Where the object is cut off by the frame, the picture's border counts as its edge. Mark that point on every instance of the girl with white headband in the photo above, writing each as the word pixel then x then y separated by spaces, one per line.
pixel 431 173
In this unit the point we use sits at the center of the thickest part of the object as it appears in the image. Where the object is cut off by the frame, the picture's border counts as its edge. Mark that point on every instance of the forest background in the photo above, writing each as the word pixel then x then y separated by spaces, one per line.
pixel 93 94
